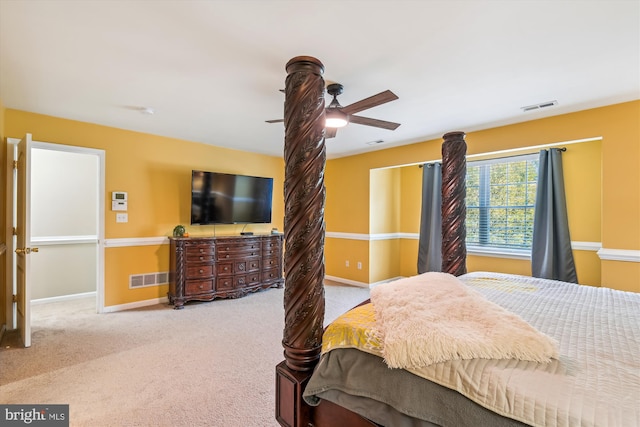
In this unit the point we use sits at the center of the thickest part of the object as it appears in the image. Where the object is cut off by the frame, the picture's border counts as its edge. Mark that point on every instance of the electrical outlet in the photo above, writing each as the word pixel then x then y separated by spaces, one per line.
pixel 122 217
pixel 346 263
pixel 359 265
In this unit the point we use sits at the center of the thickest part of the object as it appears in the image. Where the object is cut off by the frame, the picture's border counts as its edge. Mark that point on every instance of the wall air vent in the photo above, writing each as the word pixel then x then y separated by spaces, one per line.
pixel 149 279
pixel 539 106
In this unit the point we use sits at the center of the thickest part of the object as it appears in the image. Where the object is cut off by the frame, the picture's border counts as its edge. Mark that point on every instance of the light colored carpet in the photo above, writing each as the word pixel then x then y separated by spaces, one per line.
pixel 211 364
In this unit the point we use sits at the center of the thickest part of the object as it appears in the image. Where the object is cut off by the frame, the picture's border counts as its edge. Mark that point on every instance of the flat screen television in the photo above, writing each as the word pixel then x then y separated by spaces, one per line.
pixel 223 198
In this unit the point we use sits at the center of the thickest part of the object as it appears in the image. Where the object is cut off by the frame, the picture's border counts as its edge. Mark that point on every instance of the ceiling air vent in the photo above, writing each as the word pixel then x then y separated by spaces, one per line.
pixel 375 142
pixel 539 106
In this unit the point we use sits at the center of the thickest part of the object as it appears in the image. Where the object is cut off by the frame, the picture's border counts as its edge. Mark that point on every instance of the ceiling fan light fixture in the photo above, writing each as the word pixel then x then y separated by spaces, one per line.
pixel 335 119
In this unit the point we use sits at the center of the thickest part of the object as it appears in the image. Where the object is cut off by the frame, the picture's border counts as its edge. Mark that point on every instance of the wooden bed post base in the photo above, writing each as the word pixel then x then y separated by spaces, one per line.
pixel 291 409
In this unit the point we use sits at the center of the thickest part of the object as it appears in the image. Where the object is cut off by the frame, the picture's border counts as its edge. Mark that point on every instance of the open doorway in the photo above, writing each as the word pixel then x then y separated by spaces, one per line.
pixel 64 223
pixel 66 226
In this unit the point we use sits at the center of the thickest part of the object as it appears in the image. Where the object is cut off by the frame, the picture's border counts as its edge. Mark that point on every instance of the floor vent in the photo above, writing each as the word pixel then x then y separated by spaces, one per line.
pixel 539 106
pixel 149 279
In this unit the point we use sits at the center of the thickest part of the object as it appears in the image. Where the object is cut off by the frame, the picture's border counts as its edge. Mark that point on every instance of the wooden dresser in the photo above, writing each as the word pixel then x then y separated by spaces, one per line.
pixel 205 268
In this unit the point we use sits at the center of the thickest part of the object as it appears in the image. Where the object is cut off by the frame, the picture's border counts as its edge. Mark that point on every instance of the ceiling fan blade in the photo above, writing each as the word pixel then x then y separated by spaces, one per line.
pixel 330 132
pixel 373 122
pixel 370 102
pixel 275 121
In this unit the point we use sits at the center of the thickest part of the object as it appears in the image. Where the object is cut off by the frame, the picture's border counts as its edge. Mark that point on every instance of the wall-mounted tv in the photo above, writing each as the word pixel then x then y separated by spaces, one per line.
pixel 223 198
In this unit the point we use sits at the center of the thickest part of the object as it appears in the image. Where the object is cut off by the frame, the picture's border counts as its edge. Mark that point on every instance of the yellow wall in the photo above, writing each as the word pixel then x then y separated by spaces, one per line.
pixel 385 208
pixel 350 250
pixel 617 225
pixel 156 173
pixel 411 200
pixel 384 200
pixel 348 199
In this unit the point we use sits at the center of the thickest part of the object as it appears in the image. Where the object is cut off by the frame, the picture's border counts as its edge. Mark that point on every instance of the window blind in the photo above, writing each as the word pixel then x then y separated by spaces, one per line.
pixel 500 201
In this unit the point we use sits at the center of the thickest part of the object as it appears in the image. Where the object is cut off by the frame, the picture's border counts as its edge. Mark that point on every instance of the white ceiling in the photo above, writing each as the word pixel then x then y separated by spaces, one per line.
pixel 212 70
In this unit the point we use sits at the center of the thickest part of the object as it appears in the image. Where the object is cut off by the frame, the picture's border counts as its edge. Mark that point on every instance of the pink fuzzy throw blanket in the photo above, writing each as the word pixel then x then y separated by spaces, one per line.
pixel 434 317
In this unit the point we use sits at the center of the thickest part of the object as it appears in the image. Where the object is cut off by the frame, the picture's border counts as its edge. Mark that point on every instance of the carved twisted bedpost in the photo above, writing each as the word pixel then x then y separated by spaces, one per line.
pixel 304 194
pixel 454 210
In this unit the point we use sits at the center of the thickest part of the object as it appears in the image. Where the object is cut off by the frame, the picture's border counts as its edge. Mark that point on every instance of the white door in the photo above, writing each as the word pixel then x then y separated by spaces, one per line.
pixel 23 239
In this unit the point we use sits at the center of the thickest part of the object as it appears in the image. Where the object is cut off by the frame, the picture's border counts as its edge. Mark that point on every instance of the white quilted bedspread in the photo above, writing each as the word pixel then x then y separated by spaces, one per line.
pixel 596 381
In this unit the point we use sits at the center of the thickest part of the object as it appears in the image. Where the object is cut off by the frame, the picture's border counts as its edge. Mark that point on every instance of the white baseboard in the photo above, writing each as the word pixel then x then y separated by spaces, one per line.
pixel 360 284
pixel 347 281
pixel 137 304
pixel 63 298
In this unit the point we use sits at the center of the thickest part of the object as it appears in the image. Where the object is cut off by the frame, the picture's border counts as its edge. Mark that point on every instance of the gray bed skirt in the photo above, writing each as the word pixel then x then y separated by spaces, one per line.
pixel 363 383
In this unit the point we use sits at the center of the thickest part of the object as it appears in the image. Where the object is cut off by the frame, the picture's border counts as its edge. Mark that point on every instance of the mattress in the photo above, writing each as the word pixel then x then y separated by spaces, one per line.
pixel 594 382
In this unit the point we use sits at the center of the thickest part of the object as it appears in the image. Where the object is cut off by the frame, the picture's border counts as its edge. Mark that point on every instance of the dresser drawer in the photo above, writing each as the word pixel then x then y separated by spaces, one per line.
pixel 253 278
pixel 199 252
pixel 238 249
pixel 224 283
pixel 199 248
pixel 194 287
pixel 238 267
pixel 272 274
pixel 199 271
pixel 271 243
pixel 267 252
pixel 253 264
pixel 224 268
pixel 243 280
pixel 273 262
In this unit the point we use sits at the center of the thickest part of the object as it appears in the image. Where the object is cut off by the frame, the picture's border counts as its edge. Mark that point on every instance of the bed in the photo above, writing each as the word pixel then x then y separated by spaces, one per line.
pixel 342 375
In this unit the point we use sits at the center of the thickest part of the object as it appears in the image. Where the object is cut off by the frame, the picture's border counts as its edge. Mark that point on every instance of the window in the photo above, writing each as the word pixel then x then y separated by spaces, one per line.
pixel 500 200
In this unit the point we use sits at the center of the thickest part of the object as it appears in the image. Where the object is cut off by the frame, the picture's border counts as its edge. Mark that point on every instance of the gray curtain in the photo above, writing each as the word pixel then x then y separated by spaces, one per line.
pixel 430 243
pixel 551 255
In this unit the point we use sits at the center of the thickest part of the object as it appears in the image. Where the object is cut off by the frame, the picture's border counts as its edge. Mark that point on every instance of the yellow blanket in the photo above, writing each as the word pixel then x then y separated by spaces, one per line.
pixel 353 329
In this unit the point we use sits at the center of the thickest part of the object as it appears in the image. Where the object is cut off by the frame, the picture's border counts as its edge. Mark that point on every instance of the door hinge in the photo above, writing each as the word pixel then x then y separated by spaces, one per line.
pixel 15 164
pixel 14 231
pixel 14 298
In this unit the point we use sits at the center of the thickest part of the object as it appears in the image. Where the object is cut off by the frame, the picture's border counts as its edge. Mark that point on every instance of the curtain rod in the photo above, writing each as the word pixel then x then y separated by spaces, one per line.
pixel 561 149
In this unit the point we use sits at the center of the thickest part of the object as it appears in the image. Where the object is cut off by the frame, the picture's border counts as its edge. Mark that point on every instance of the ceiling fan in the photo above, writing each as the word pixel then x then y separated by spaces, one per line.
pixel 338 116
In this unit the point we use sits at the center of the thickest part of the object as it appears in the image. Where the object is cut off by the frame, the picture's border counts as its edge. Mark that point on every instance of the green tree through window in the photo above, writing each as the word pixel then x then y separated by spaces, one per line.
pixel 500 200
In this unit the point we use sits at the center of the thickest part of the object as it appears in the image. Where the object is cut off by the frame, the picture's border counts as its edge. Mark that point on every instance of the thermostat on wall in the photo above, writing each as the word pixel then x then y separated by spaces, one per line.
pixel 118 200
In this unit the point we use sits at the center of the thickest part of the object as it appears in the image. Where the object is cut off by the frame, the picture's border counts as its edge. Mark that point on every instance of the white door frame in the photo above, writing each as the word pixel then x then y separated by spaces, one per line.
pixel 101 208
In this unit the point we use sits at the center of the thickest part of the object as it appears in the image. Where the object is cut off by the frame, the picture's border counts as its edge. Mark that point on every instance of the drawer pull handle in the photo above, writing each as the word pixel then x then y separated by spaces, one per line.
pixel 201 258
pixel 201 287
pixel 227 256
pixel 226 269
pixel 200 271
